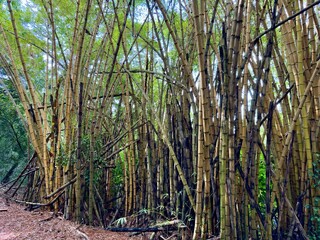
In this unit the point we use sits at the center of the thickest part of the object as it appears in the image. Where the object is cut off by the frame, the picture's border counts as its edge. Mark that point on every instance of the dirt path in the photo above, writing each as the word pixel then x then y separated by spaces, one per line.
pixel 18 224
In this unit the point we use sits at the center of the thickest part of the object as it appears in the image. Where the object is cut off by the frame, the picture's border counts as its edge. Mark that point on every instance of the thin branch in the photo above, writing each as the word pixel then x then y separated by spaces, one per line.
pixel 61 188
pixel 277 102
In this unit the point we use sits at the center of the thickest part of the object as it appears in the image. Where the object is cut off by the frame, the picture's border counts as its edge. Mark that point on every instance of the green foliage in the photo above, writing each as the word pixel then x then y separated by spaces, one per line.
pixel 314 221
pixel 262 183
pixel 117 173
pixel 62 158
pixel 13 138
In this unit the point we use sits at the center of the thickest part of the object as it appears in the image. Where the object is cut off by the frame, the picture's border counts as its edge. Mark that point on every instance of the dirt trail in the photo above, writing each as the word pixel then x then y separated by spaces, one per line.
pixel 18 224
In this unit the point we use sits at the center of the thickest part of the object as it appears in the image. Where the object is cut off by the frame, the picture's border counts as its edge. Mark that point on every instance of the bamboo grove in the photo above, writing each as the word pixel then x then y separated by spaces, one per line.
pixel 206 112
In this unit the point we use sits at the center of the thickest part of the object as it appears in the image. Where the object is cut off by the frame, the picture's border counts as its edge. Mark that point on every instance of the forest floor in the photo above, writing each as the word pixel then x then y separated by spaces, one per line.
pixel 19 224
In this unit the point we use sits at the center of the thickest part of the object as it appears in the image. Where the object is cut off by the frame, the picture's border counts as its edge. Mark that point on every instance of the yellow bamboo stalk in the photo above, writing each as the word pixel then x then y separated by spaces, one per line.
pixel 32 91
pixel 200 162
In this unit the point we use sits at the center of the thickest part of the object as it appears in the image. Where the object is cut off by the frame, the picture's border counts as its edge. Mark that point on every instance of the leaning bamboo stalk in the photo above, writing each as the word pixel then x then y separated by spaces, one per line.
pixel 23 96
pixel 294 121
pixel 298 112
pixel 34 97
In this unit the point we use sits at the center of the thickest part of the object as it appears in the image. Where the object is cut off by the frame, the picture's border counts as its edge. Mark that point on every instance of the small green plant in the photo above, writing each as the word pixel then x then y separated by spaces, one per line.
pixel 120 222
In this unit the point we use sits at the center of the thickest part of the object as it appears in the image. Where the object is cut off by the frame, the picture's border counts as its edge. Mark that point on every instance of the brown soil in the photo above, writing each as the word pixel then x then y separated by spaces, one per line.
pixel 18 224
